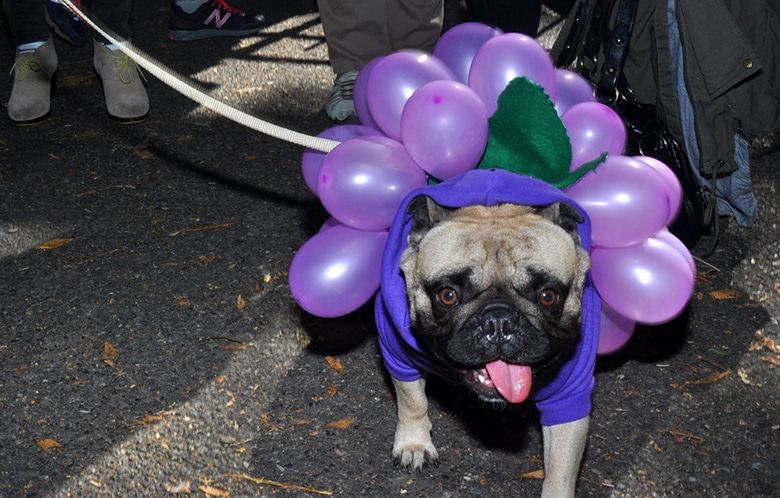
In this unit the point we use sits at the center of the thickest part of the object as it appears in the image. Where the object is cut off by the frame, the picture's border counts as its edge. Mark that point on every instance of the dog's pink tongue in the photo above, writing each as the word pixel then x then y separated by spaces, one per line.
pixel 513 382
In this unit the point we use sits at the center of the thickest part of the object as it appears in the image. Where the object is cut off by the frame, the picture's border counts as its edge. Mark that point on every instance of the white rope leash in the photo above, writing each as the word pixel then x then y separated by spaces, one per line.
pixel 178 83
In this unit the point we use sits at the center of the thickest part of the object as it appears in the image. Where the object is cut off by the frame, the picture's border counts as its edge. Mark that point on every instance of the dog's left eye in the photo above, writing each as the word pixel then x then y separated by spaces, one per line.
pixel 447 297
pixel 548 297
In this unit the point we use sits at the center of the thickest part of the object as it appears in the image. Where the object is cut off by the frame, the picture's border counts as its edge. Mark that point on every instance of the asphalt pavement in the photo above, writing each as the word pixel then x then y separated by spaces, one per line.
pixel 149 345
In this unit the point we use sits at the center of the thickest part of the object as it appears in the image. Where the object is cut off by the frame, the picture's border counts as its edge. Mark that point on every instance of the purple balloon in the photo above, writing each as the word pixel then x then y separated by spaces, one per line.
pixel 458 46
pixel 359 95
pixel 312 159
pixel 363 181
pixel 593 129
pixel 394 79
pixel 330 223
pixel 444 128
pixel 571 89
pixel 673 186
pixel 615 330
pixel 649 282
pixel 504 58
pixel 668 237
pixel 337 271
pixel 626 199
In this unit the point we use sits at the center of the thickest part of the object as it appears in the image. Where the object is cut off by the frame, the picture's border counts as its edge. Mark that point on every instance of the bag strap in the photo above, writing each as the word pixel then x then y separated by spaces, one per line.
pixel 615 51
pixel 566 47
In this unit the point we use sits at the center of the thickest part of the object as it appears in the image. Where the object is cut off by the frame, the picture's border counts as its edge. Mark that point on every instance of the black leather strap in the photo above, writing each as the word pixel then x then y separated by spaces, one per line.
pixel 571 45
pixel 615 51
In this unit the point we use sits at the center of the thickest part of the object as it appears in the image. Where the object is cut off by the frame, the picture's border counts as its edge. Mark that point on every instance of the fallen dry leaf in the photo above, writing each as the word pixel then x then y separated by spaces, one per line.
pixel 200 229
pixel 47 444
pixel 679 437
pixel 341 424
pixel 332 390
pixel 232 399
pixel 183 488
pixel 334 364
pixel 771 359
pixel 725 294
pixel 53 243
pixel 260 480
pixel 536 474
pixel 764 342
pixel 143 153
pixel 240 303
pixel 157 417
pixel 712 378
pixel 744 376
pixel 109 354
pixel 237 346
pixel 212 491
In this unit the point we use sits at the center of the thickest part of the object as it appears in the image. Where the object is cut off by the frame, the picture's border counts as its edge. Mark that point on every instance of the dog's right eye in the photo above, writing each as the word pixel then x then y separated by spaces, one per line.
pixel 548 298
pixel 447 297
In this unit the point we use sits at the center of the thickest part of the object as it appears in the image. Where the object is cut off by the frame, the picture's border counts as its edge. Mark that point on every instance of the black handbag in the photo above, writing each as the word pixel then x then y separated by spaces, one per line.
pixel 647 134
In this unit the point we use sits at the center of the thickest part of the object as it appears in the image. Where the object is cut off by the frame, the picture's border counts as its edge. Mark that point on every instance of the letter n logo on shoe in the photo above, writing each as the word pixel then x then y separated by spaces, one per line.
pixel 217 18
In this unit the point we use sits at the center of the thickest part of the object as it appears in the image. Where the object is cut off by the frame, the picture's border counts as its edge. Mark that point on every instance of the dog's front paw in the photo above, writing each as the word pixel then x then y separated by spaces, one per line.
pixel 413 447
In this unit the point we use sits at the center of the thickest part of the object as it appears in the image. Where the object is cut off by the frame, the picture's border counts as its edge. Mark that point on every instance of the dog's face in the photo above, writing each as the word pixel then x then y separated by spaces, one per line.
pixel 495 292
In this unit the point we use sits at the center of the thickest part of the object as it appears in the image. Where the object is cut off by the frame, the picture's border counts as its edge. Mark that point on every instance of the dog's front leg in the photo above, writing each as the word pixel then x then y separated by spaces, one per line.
pixel 413 447
pixel 564 445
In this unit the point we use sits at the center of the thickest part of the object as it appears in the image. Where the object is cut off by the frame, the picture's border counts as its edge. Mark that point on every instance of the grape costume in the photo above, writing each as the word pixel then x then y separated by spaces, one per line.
pixel 562 398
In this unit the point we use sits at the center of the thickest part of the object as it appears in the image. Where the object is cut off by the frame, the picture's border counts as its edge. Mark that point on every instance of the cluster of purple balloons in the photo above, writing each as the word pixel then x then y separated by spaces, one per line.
pixel 426 115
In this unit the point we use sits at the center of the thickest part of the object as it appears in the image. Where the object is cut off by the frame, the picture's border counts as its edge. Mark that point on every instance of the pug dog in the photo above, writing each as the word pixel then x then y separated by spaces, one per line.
pixel 497 297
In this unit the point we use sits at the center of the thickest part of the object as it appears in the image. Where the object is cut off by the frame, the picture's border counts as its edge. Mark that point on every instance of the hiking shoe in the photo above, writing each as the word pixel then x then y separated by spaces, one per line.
pixel 64 22
pixel 212 19
pixel 126 99
pixel 30 99
pixel 341 104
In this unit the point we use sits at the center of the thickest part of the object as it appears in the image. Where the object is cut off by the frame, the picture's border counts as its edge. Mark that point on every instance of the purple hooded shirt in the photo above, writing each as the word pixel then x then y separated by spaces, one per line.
pixel 560 399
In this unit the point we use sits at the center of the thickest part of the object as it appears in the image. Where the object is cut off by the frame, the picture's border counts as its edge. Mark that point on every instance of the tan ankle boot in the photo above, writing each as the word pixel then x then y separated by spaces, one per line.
pixel 126 98
pixel 30 99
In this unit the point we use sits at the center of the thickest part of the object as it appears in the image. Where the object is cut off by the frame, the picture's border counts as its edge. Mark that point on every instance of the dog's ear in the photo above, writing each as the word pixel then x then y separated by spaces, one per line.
pixel 564 215
pixel 427 213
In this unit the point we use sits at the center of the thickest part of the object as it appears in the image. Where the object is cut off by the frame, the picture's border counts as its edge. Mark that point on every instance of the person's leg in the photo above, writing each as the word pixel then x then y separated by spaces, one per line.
pixel 114 14
pixel 414 24
pixel 35 62
pixel 355 31
pixel 26 21
pixel 66 24
pixel 511 16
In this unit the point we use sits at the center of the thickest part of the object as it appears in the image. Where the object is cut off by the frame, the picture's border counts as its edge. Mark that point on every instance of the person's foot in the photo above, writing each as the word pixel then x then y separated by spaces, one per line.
pixel 33 71
pixel 64 22
pixel 212 19
pixel 341 105
pixel 126 99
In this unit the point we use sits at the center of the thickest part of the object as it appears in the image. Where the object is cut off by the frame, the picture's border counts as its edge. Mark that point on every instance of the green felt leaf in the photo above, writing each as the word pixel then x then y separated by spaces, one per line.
pixel 526 136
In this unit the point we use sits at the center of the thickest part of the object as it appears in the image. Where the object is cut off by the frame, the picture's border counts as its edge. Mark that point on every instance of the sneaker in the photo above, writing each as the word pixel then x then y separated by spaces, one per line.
pixel 64 22
pixel 215 18
pixel 341 104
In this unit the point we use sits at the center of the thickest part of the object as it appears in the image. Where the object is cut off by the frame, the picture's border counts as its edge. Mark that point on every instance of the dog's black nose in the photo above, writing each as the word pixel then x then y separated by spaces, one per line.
pixel 499 323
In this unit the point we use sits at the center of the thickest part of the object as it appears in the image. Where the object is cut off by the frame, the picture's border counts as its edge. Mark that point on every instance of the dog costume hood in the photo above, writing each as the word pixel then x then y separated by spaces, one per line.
pixel 563 398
